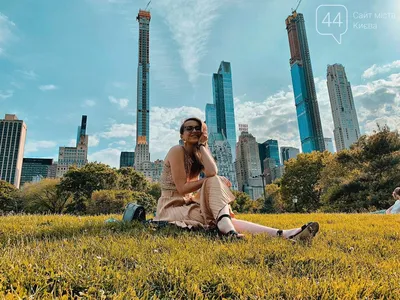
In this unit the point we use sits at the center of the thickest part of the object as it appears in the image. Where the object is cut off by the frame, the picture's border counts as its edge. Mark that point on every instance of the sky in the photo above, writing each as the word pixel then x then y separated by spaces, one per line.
pixel 60 60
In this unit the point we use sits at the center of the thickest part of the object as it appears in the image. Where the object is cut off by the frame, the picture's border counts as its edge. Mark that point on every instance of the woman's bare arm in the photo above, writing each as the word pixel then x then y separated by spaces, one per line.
pixel 176 160
pixel 210 167
pixel 389 210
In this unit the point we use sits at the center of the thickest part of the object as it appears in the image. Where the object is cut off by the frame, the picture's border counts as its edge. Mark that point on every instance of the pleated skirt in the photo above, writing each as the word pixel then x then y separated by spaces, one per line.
pixel 210 199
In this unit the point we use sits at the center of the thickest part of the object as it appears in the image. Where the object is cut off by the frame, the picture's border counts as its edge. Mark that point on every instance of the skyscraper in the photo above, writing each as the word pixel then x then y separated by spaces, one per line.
pixel 308 117
pixel 32 167
pixel 288 153
pixel 142 153
pixel 223 101
pixel 127 159
pixel 248 167
pixel 74 156
pixel 329 145
pixel 12 145
pixel 347 130
pixel 269 149
pixel 221 151
pixel 211 118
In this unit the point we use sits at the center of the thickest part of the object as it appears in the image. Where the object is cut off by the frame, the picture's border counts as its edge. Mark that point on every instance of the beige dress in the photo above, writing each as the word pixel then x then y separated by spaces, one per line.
pixel 178 209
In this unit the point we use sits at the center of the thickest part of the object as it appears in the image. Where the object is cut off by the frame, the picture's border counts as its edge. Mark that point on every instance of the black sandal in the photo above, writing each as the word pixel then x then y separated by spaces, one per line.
pixel 230 234
pixel 307 232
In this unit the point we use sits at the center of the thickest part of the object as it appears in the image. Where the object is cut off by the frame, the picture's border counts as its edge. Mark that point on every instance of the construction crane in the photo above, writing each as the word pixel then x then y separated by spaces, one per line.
pixel 298 4
pixel 147 5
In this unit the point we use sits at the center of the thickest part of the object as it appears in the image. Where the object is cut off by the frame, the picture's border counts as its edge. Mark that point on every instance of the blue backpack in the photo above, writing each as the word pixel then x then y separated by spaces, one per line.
pixel 134 212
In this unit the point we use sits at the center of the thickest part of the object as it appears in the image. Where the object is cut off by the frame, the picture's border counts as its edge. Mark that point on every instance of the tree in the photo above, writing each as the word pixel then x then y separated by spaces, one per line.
pixel 146 200
pixel 365 175
pixel 274 201
pixel 155 190
pixel 43 196
pixel 82 182
pixel 8 197
pixel 301 180
pixel 108 201
pixel 243 203
pixel 130 179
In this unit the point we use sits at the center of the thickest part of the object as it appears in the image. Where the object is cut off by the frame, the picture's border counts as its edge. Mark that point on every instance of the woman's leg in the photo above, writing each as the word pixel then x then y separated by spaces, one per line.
pixel 249 227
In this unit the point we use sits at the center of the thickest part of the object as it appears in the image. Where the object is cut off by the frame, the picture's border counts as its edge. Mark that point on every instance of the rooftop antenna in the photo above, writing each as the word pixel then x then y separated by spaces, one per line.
pixel 298 4
pixel 147 5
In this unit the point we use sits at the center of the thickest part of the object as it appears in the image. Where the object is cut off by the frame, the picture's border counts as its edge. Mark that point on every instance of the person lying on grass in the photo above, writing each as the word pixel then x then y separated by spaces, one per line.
pixel 395 208
pixel 209 207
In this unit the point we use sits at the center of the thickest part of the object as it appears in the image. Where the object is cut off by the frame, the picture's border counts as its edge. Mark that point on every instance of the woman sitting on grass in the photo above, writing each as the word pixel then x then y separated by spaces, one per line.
pixel 395 208
pixel 209 207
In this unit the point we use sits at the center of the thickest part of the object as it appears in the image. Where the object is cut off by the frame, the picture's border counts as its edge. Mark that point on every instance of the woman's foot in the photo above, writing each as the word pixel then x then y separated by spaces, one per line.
pixel 226 228
pixel 305 233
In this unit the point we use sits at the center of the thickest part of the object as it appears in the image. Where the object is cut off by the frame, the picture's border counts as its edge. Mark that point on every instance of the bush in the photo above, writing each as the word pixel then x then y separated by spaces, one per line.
pixel 114 201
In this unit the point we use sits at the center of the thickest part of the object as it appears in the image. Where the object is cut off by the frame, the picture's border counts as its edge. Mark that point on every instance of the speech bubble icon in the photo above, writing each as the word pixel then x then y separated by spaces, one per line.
pixel 332 19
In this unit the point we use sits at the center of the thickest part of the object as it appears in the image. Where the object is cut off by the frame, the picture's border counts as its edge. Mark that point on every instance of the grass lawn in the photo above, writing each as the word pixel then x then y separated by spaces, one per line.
pixel 354 256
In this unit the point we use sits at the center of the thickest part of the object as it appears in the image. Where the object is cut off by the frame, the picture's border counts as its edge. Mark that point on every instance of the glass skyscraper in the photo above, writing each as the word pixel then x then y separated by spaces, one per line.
pixel 127 159
pixel 308 116
pixel 269 149
pixel 143 77
pixel 223 101
pixel 32 167
pixel 211 118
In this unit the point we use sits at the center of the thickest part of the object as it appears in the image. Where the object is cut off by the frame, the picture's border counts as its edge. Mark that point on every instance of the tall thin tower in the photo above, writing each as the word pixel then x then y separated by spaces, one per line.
pixel 143 90
pixel 347 130
pixel 308 117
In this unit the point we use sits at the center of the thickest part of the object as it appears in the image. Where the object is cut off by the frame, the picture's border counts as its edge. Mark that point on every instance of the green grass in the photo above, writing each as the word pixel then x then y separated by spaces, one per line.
pixel 46 257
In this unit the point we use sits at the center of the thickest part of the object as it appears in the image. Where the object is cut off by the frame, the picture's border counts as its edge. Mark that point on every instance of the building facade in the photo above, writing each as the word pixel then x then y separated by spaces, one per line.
pixel 12 145
pixel 346 128
pixel 74 156
pixel 223 101
pixel 288 153
pixel 248 167
pixel 142 152
pixel 222 153
pixel 269 149
pixel 127 159
pixel 35 167
pixel 272 171
pixel 211 118
pixel 307 109
pixel 329 145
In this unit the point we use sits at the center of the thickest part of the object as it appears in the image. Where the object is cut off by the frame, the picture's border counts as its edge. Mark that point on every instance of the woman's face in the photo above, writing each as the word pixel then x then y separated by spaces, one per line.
pixel 191 131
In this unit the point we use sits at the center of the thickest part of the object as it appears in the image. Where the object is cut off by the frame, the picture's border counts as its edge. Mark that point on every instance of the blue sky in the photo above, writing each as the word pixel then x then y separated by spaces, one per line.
pixel 61 59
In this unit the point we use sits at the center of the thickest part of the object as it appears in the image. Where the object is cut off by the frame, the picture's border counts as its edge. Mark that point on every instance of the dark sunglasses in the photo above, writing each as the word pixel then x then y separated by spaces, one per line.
pixel 190 128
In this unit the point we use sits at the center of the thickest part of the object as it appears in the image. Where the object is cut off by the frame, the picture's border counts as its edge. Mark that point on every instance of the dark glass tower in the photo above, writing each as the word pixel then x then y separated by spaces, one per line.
pixel 308 117
pixel 143 76
pixel 223 101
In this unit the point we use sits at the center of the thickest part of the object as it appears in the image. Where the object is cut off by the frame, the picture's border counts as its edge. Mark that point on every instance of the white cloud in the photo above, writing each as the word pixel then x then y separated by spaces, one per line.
pixel 71 143
pixel 89 103
pixel 190 23
pixel 119 131
pixel 6 34
pixel 109 156
pixel 94 140
pixel 34 146
pixel 375 69
pixel 122 102
pixel 6 94
pixel 27 74
pixel 48 87
pixel 119 85
pixel 119 143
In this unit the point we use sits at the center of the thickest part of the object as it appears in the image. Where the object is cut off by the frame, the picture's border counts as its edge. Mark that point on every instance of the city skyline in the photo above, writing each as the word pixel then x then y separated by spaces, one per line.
pixel 38 71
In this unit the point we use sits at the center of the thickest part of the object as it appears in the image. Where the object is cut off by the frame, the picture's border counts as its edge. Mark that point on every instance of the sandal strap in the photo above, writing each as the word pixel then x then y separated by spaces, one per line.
pixel 279 232
pixel 223 216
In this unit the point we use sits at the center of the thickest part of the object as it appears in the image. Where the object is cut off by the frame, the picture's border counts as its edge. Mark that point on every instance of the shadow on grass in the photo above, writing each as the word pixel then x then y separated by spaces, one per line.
pixel 46 231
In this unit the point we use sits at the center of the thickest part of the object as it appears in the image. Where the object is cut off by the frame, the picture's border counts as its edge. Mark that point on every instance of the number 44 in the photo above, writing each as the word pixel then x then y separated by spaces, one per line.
pixel 337 20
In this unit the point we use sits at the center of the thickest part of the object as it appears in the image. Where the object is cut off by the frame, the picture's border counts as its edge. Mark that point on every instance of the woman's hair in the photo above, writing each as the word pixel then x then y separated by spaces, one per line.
pixel 197 166
pixel 397 191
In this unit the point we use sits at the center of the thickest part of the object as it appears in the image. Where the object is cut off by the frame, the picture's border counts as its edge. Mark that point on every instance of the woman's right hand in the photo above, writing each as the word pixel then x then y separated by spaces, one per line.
pixel 204 134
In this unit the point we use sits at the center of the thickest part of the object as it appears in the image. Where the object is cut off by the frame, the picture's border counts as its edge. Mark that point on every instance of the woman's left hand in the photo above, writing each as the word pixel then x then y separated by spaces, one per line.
pixel 226 181
pixel 204 134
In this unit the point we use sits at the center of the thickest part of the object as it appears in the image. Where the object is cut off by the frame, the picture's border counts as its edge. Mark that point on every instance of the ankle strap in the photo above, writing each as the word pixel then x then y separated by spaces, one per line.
pixel 223 216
